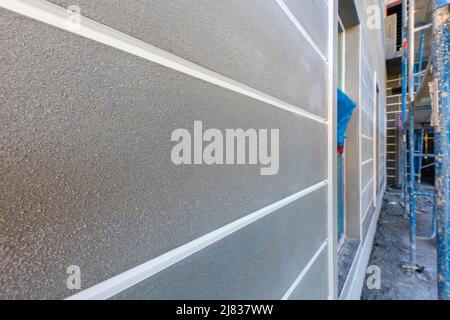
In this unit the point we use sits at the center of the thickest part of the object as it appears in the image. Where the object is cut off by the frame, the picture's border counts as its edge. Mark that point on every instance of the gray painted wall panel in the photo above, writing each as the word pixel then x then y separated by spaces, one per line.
pixel 366 149
pixel 373 59
pixel 260 261
pixel 368 219
pixel 367 92
pixel 366 199
pixel 313 286
pixel 249 41
pixel 87 177
pixel 366 173
pixel 366 124
pixel 313 17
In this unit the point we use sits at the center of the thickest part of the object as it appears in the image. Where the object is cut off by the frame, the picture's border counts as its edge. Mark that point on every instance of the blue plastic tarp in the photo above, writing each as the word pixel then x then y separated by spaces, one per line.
pixel 345 110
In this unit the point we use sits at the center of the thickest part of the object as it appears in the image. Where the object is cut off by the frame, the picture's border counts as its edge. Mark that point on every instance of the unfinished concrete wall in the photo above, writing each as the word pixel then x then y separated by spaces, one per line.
pixel 87 177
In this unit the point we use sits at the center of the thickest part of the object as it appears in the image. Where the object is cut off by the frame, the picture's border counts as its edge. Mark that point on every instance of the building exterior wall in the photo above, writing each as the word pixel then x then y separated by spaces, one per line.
pixel 366 170
pixel 85 127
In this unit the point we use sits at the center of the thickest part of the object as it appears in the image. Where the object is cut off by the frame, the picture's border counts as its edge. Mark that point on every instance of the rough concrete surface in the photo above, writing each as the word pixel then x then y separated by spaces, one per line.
pixel 391 251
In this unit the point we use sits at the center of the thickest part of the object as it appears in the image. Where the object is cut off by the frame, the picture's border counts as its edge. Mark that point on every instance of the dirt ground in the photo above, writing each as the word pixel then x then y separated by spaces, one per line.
pixel 391 251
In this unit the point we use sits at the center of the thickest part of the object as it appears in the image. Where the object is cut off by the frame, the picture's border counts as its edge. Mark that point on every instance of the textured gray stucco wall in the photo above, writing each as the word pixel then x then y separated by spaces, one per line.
pixel 260 261
pixel 366 149
pixel 314 285
pixel 366 173
pixel 86 175
pixel 250 41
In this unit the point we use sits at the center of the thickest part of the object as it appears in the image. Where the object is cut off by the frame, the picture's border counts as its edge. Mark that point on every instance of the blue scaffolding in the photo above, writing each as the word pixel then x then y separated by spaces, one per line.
pixel 412 167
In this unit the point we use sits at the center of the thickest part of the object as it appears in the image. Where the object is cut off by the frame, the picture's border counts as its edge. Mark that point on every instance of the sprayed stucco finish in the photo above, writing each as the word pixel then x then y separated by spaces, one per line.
pixel 86 172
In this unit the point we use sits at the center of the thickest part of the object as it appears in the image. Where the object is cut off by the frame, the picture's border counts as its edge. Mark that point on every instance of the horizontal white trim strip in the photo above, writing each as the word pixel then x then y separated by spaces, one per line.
pixel 367 87
pixel 390 112
pixel 367 137
pixel 127 279
pixel 366 162
pixel 304 272
pixel 58 17
pixel 369 114
pixel 392 80
pixel 300 28
pixel 393 104
pixel 394 96
pixel 367 186
pixel 391 176
pixel 366 212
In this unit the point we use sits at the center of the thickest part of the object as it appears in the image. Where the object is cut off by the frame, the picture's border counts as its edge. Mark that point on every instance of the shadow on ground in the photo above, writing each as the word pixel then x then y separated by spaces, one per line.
pixel 391 251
